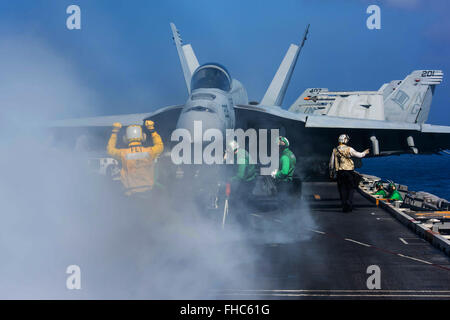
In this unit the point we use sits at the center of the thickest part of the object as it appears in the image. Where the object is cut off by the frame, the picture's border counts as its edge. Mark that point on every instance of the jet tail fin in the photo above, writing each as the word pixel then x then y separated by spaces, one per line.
pixel 275 93
pixel 187 56
pixel 409 100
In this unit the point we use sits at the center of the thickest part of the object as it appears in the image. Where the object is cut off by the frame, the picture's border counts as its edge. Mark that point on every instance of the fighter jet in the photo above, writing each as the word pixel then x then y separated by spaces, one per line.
pixel 388 121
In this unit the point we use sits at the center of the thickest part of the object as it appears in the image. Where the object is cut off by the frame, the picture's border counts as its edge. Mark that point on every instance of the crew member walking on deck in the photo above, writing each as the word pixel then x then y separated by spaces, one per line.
pixel 342 164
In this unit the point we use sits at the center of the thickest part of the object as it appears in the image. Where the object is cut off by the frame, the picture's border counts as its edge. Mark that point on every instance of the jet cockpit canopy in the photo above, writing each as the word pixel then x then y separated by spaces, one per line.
pixel 211 75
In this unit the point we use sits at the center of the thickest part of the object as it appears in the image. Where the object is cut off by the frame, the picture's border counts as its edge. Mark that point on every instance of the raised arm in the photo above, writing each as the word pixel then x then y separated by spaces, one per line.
pixel 158 146
pixel 111 147
pixel 357 154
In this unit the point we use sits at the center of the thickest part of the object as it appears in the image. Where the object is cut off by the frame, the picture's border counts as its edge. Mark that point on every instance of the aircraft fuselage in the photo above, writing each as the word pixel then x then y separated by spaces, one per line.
pixel 211 100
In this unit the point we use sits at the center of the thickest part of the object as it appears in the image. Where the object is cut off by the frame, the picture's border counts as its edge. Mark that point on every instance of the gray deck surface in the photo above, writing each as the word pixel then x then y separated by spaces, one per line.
pixel 326 262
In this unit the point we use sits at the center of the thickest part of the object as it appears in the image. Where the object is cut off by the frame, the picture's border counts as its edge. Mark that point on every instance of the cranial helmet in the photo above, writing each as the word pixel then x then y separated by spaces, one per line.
pixel 134 134
pixel 378 185
pixel 283 141
pixel 343 138
pixel 392 186
pixel 232 146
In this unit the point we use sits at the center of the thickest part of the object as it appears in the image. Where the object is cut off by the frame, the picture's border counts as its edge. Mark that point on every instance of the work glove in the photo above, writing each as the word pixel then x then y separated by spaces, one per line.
pixel 150 125
pixel 332 174
pixel 274 173
pixel 116 127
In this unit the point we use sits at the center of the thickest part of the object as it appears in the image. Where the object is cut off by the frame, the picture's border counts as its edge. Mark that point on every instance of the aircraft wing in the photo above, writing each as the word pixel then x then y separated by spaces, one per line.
pixel 316 135
pixel 94 132
pixel 124 119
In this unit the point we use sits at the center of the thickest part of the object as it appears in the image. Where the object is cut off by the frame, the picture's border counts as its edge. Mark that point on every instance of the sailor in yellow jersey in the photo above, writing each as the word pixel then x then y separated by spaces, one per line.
pixel 137 174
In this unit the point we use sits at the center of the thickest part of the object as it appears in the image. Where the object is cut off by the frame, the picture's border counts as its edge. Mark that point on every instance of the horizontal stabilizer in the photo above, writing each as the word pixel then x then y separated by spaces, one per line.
pixel 430 128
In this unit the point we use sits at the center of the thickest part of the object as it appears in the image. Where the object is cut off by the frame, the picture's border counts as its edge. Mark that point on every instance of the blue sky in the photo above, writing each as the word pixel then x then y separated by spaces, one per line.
pixel 125 55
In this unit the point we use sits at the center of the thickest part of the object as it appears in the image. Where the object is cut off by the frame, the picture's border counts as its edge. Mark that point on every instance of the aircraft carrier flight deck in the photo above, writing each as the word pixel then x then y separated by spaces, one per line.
pixel 331 259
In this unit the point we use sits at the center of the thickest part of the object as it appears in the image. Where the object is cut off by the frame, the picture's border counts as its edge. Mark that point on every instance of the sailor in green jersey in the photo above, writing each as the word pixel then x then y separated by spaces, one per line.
pixel 246 170
pixel 287 162
pixel 242 182
pixel 380 190
pixel 393 193
pixel 285 174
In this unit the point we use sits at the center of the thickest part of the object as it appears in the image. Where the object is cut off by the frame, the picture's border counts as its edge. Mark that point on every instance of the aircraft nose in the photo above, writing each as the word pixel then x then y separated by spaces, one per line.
pixel 197 122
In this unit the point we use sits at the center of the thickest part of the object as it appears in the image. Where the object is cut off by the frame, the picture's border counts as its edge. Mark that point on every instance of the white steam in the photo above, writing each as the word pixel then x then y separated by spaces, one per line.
pixel 55 213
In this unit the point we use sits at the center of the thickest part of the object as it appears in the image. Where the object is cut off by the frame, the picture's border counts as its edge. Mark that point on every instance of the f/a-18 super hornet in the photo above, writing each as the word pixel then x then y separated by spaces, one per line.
pixel 388 121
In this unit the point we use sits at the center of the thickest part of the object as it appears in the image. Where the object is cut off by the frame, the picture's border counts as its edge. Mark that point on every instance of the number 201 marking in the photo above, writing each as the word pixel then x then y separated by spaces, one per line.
pixel 427 73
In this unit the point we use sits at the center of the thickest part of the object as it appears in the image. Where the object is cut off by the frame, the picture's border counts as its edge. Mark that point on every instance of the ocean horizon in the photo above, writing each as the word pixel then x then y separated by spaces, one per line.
pixel 429 173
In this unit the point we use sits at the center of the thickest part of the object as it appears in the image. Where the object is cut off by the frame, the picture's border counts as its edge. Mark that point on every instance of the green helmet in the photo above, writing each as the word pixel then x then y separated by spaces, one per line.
pixel 378 185
pixel 392 186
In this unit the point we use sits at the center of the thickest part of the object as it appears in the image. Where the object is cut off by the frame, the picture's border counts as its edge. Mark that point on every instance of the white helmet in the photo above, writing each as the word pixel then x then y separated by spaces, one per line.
pixel 343 138
pixel 134 134
pixel 283 141
pixel 232 146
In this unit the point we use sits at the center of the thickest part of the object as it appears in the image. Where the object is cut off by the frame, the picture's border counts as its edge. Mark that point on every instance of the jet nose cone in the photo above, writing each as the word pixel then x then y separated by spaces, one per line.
pixel 197 123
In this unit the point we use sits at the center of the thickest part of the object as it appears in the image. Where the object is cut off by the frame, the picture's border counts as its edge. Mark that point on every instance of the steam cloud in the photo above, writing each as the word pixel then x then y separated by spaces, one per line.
pixel 56 213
